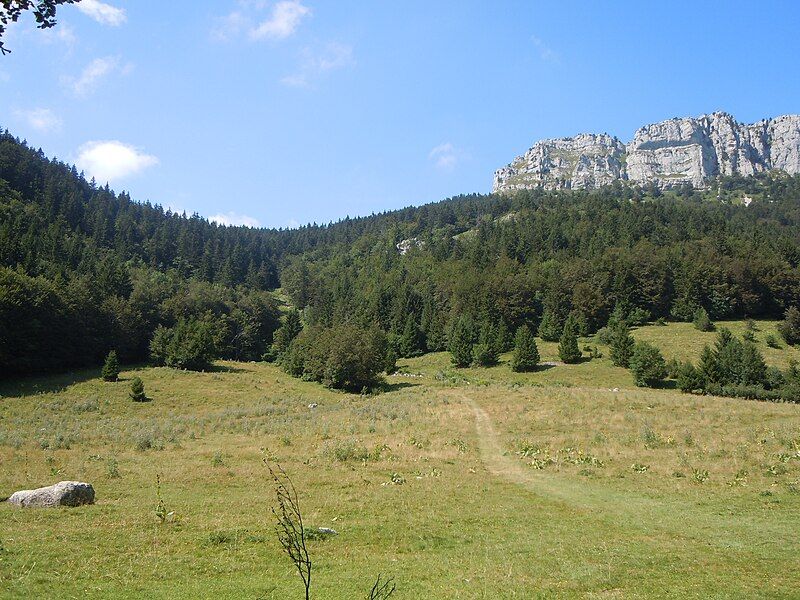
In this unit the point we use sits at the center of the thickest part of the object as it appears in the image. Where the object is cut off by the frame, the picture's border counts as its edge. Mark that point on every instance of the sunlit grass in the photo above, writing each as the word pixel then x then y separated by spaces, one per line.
pixel 628 493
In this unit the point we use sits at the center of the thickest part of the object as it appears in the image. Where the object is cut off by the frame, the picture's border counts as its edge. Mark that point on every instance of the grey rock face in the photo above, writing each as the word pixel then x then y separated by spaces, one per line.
pixel 668 154
pixel 584 161
pixel 64 493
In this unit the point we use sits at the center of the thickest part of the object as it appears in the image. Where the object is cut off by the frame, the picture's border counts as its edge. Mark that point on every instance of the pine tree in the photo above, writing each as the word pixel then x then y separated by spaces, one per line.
pixel 487 351
pixel 137 390
pixel 701 320
pixel 390 364
pixel 410 342
pixel 789 328
pixel 753 369
pixel 647 365
pixel 111 367
pixel 568 349
pixel 526 353
pixel 460 344
pixel 621 344
pixel 291 328
pixel 549 329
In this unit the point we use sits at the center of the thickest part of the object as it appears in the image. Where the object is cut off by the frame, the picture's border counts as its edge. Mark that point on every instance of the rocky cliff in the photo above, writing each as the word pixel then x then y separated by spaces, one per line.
pixel 668 154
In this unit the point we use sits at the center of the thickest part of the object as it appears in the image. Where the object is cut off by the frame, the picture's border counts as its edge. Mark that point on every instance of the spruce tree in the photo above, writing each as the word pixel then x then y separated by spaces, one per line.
pixel 460 344
pixel 549 328
pixel 568 349
pixel 137 390
pixel 647 365
pixel 291 328
pixel 410 342
pixel 701 321
pixel 487 351
pixel 526 353
pixel 789 328
pixel 111 367
pixel 621 344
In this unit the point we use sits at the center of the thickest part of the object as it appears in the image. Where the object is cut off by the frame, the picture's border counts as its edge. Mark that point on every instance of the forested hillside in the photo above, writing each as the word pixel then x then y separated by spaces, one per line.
pixel 84 270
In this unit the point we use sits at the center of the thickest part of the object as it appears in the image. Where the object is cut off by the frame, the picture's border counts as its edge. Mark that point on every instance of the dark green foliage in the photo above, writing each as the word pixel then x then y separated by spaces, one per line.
pixel 484 355
pixel 390 363
pixel 550 329
pixel 638 316
pixel 490 343
pixel 526 352
pixel 461 342
pixel 701 321
pixel 89 269
pixel 621 344
pixel 291 328
pixel 137 391
pixel 772 341
pixel 189 345
pixel 44 11
pixel 343 356
pixel 733 368
pixel 111 367
pixel 568 350
pixel 690 379
pixel 412 341
pixel 647 365
pixel 789 328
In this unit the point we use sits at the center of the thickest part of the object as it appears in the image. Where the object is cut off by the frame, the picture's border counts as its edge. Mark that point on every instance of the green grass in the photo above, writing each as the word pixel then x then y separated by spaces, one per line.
pixel 541 500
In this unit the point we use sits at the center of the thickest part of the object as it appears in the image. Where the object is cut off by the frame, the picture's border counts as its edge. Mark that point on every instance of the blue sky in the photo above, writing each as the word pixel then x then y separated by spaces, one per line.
pixel 281 112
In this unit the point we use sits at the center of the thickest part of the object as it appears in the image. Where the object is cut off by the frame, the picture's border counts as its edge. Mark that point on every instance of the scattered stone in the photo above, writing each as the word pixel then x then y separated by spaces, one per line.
pixel 64 493
pixel 327 531
pixel 313 405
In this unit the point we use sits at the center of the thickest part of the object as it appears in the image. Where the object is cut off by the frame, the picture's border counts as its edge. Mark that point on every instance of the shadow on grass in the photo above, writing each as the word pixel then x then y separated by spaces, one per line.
pixel 29 385
pixel 226 369
pixel 45 384
pixel 394 387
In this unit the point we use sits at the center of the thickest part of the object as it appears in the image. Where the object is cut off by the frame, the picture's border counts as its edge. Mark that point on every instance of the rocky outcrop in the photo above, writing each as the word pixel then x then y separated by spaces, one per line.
pixel 583 161
pixel 668 154
pixel 64 493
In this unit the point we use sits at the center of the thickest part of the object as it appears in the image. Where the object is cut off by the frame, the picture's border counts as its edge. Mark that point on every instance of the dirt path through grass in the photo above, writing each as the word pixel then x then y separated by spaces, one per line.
pixel 672 518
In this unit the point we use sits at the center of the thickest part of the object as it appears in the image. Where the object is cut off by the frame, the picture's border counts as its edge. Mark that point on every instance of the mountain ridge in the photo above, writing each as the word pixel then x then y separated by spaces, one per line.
pixel 667 154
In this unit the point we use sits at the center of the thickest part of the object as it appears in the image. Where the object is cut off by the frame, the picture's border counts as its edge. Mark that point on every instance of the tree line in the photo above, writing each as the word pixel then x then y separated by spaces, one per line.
pixel 84 270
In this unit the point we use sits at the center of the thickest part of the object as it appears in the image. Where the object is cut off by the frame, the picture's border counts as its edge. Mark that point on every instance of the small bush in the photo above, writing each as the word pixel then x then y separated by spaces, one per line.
pixel 112 468
pixel 772 341
pixel 137 391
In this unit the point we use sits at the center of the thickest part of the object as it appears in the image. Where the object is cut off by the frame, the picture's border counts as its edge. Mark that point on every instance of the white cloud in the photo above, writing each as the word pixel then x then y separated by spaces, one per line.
pixel 546 53
pixel 41 119
pixel 331 57
pixel 62 33
pixel 103 13
pixel 112 160
pixel 282 22
pixel 445 156
pixel 94 72
pixel 232 218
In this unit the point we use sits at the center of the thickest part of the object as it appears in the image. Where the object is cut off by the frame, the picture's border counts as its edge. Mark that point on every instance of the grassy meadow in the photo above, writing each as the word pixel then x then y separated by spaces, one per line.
pixel 569 482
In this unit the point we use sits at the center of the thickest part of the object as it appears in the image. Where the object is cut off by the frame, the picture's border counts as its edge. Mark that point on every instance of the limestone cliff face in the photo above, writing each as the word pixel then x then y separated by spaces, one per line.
pixel 668 154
